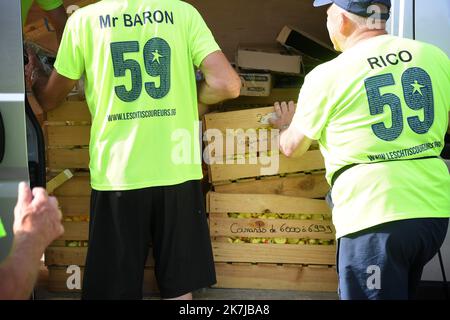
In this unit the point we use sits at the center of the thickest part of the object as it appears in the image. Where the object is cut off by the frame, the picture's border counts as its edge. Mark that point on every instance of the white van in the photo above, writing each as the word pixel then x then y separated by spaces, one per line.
pixel 427 21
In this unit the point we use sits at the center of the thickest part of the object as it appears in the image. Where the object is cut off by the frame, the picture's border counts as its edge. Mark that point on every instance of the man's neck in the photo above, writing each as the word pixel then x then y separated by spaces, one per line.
pixel 362 36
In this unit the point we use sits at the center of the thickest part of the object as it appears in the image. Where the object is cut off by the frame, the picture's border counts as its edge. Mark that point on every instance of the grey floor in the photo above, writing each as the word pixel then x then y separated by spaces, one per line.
pixel 214 294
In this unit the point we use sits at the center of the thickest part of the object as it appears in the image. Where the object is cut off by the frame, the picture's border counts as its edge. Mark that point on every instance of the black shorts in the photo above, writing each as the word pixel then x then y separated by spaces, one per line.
pixel 125 224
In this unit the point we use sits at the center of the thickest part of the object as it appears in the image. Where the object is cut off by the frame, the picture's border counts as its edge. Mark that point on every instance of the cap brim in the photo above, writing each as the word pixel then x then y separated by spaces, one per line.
pixel 319 3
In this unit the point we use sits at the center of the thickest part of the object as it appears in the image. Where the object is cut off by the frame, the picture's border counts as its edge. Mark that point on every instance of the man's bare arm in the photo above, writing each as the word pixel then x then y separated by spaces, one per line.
pixel 293 143
pixel 37 222
pixel 19 272
pixel 51 91
pixel 221 81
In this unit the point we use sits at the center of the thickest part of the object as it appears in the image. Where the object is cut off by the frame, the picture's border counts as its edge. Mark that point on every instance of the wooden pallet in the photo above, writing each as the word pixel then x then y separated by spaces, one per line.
pixel 252 263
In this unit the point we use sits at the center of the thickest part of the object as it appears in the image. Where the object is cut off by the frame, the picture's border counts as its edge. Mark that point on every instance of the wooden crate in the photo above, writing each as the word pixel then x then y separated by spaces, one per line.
pixel 58 277
pixel 67 132
pixel 67 129
pixel 276 277
pixel 74 195
pixel 295 185
pixel 311 266
pixel 252 150
pixel 59 257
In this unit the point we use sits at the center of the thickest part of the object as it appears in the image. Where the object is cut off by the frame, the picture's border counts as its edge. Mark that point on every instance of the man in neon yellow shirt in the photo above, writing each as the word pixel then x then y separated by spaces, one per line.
pixel 54 10
pixel 380 113
pixel 138 59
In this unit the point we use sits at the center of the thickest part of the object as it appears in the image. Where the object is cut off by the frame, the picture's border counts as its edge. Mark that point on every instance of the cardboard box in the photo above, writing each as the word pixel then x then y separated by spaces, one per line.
pixel 305 43
pixel 275 59
pixel 256 84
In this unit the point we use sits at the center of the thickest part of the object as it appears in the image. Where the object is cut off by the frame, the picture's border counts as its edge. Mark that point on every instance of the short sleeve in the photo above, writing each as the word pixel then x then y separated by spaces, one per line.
pixel 313 108
pixel 201 39
pixel 2 230
pixel 70 59
pixel 48 5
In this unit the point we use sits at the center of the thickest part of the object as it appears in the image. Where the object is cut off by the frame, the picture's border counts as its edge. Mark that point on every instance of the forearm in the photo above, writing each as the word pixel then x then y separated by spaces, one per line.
pixel 19 273
pixel 209 96
pixel 294 144
pixel 40 79
pixel 51 91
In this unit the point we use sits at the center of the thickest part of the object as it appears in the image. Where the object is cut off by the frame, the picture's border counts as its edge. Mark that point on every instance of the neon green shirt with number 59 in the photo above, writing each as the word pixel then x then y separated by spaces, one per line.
pixel 138 58
pixel 379 105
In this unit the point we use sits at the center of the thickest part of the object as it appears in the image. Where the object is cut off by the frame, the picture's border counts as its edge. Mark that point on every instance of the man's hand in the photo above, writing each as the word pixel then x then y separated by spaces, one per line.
pixel 285 113
pixel 33 69
pixel 38 217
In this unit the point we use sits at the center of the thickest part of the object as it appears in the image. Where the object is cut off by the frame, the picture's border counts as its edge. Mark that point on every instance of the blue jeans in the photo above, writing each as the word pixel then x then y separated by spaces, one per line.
pixel 386 262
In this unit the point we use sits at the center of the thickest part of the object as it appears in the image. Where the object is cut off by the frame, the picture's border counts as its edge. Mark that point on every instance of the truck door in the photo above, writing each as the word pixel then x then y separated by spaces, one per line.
pixel 13 146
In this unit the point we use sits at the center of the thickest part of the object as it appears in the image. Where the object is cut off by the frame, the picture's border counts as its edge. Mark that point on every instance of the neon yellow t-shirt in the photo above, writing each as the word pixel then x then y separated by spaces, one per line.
pixel 2 229
pixel 46 5
pixel 138 58
pixel 386 99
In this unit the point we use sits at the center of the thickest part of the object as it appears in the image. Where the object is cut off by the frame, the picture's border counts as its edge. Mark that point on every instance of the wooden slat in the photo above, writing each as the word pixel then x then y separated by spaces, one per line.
pixel 59 180
pixel 58 276
pixel 75 231
pixel 247 143
pixel 78 186
pixel 306 186
pixel 74 206
pixel 243 119
pixel 58 243
pixel 68 159
pixel 66 136
pixel 274 277
pixel 65 256
pixel 242 143
pixel 262 203
pixel 76 111
pixel 273 253
pixel 311 160
pixel 267 228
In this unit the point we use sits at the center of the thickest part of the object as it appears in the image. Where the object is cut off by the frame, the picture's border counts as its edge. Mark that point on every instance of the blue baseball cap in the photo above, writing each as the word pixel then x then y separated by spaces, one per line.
pixel 358 7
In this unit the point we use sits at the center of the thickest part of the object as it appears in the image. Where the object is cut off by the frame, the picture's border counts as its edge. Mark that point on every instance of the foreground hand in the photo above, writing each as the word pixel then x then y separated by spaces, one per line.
pixel 285 113
pixel 38 217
